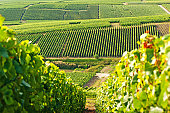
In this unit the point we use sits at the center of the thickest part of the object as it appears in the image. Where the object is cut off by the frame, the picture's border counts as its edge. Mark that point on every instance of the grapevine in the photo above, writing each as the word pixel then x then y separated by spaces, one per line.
pixel 28 84
pixel 141 80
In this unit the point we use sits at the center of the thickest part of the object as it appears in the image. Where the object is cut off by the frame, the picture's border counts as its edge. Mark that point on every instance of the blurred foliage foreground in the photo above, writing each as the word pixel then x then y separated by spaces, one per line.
pixel 28 84
pixel 141 81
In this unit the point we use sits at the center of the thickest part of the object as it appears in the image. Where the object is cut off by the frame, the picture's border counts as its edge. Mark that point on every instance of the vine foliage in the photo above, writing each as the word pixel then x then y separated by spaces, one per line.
pixel 28 84
pixel 141 81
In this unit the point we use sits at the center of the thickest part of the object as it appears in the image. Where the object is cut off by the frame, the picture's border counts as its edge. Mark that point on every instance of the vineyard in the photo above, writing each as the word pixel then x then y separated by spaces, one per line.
pixel 72 11
pixel 106 42
pixel 140 82
pixel 12 13
pixel 116 11
pixel 36 26
pixel 33 37
pixel 60 6
pixel 61 12
pixel 32 14
pixel 84 56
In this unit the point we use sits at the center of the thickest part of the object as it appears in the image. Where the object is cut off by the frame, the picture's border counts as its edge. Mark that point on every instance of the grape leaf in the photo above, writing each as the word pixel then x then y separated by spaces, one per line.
pixel 18 68
pixel 3 51
pixel 150 54
pixel 137 104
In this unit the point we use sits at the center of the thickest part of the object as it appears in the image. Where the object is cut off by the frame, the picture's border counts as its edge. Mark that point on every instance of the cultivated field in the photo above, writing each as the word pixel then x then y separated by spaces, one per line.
pixel 115 55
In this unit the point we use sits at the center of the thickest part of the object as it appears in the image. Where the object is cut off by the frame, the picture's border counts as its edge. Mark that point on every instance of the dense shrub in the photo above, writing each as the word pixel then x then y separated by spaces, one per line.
pixel 141 80
pixel 96 56
pixel 95 69
pixel 28 84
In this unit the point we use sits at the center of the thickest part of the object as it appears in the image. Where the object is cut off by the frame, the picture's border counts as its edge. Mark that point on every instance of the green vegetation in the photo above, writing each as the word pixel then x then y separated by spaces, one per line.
pixel 12 14
pixel 84 64
pixel 106 42
pixel 37 27
pixel 39 10
pixel 167 6
pixel 80 78
pixel 52 43
pixel 85 35
pixel 36 14
pixel 49 6
pixel 116 11
pixel 96 56
pixel 61 12
pixel 140 82
pixel 95 69
pixel 32 37
pixel 28 84
pixel 63 6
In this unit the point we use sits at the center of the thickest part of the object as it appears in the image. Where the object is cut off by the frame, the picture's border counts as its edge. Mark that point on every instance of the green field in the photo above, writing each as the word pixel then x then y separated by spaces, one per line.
pixel 80 78
pixel 116 11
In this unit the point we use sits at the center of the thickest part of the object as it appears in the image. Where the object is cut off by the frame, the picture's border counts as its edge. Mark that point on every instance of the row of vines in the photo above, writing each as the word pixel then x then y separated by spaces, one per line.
pixel 12 14
pixel 106 42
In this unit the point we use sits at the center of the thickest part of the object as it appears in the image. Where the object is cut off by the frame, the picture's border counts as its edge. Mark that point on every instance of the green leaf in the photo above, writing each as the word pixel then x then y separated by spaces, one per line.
pixel 1 20
pixel 3 51
pixel 137 54
pixel 18 68
pixel 167 50
pixel 31 49
pixel 1 105
pixel 9 110
pixel 135 79
pixel 28 58
pixel 163 97
pixel 150 54
pixel 25 84
pixel 148 67
pixel 166 37
pixel 137 104
pixel 161 43
pixel 8 99
pixel 143 96
pixel 8 92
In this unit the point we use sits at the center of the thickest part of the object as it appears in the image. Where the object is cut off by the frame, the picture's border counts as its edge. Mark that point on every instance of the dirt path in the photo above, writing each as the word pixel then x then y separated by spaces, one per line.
pixel 95 82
